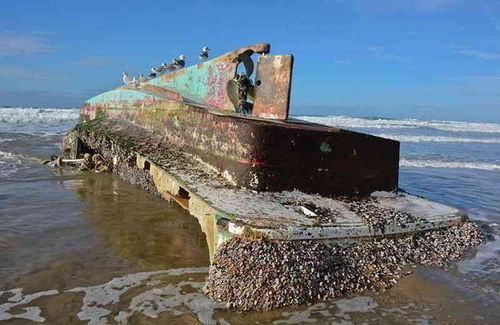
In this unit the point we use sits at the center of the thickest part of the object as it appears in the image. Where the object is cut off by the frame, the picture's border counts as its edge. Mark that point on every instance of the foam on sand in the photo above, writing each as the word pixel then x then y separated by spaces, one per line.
pixel 18 299
pixel 99 300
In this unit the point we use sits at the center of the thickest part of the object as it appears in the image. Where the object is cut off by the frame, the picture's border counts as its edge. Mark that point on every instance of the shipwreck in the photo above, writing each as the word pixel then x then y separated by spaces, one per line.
pixel 217 138
pixel 242 165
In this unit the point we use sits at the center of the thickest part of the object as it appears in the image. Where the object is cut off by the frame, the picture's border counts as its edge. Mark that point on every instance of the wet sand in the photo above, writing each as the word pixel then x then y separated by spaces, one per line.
pixel 87 229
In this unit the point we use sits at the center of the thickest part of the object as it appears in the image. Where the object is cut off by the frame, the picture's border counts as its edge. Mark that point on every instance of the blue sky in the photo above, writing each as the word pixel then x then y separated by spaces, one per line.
pixel 431 59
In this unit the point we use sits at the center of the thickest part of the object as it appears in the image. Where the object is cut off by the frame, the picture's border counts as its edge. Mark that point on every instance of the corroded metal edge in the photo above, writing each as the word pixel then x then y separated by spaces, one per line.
pixel 268 155
pixel 218 225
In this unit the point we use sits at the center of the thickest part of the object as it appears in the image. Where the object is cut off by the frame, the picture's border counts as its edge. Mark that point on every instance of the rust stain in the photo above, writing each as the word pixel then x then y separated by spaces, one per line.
pixel 273 86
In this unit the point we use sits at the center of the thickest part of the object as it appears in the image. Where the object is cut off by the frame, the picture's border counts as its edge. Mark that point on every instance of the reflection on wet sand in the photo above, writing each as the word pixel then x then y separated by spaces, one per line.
pixel 448 297
pixel 128 231
pixel 138 226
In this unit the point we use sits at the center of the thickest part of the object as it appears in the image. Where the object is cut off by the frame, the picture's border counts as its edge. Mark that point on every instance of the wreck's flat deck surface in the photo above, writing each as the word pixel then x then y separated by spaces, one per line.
pixel 288 214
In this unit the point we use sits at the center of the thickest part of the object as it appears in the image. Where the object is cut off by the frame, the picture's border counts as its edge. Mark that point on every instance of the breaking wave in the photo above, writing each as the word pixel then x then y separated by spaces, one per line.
pixel 405 162
pixel 19 115
pixel 430 138
pixel 9 163
pixel 380 123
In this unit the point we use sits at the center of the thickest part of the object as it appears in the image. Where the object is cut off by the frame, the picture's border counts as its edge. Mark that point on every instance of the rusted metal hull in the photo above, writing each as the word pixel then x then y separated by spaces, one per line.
pixel 269 155
pixel 262 150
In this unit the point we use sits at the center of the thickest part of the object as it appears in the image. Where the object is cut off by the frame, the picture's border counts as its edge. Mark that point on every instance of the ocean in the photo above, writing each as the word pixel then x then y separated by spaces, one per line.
pixel 79 247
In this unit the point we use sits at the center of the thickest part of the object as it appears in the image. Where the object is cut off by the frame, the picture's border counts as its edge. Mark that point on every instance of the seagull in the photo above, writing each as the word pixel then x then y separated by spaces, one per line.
pixel 163 67
pixel 204 53
pixel 128 80
pixel 154 72
pixel 180 62
pixel 169 67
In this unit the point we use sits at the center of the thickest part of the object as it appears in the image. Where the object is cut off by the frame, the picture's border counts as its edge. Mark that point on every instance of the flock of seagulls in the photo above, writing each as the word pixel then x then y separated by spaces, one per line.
pixel 177 63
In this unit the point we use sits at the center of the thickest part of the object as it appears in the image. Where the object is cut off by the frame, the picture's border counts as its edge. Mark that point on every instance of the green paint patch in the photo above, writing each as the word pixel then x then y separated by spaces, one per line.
pixel 325 147
pixel 175 121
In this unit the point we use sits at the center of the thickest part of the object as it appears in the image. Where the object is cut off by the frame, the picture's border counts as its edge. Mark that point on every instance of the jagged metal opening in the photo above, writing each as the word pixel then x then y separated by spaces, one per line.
pixel 183 197
pixel 183 194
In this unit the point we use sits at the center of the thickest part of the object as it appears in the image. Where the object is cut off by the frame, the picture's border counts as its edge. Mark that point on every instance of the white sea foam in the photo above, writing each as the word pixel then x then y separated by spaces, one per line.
pixel 96 310
pixel 17 299
pixel 379 123
pixel 9 163
pixel 100 300
pixel 430 138
pixel 23 116
pixel 404 162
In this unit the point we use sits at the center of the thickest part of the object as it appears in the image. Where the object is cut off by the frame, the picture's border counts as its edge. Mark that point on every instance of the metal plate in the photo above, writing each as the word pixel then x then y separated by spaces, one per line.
pixel 273 83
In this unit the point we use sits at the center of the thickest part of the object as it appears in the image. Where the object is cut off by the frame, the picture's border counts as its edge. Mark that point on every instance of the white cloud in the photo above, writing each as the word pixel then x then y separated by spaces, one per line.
pixel 381 53
pixel 476 53
pixel 21 44
pixel 18 72
pixel 96 61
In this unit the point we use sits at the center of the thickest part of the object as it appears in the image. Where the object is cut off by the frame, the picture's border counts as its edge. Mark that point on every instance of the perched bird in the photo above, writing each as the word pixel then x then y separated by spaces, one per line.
pixel 128 80
pixel 180 62
pixel 154 73
pixel 163 67
pixel 204 53
pixel 168 67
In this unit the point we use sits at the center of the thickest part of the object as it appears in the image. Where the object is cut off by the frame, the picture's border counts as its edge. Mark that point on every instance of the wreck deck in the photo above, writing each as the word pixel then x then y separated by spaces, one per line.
pixel 223 209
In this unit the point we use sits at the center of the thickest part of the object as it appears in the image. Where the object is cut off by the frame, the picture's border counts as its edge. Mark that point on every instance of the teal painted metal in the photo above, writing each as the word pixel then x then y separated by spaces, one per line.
pixel 189 82
pixel 206 84
pixel 121 97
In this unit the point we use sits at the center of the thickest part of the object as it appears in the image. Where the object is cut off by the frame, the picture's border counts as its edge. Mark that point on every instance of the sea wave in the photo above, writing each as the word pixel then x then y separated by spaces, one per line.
pixel 9 163
pixel 428 163
pixel 24 116
pixel 430 138
pixel 380 123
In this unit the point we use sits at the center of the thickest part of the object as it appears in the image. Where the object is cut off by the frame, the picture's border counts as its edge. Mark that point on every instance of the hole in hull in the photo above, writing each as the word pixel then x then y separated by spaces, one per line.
pixel 183 197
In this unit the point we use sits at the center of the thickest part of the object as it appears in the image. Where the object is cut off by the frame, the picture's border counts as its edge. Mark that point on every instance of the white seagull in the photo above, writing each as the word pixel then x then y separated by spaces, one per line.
pixel 128 80
pixel 180 62
pixel 204 53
